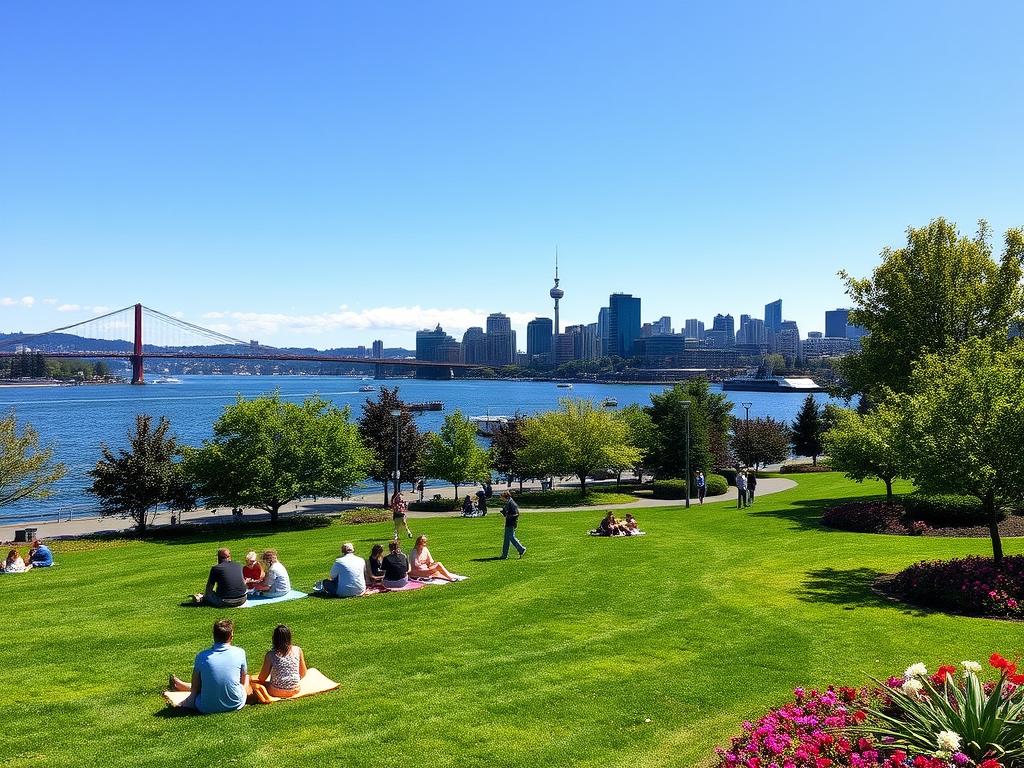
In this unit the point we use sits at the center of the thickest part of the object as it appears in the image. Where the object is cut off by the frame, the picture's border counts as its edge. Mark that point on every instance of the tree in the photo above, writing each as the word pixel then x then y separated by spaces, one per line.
pixel 938 291
pixel 26 471
pixel 507 444
pixel 453 454
pixel 135 483
pixel 864 445
pixel 709 425
pixel 961 426
pixel 807 430
pixel 377 430
pixel 578 439
pixel 760 441
pixel 641 435
pixel 266 452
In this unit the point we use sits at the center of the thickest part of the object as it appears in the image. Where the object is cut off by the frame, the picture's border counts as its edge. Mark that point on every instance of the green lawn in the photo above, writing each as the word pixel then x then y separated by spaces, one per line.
pixel 556 659
pixel 569 497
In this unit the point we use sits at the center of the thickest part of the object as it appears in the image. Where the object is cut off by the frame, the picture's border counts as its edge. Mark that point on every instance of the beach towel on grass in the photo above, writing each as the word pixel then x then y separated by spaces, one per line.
pixel 620 536
pixel 410 585
pixel 313 682
pixel 293 594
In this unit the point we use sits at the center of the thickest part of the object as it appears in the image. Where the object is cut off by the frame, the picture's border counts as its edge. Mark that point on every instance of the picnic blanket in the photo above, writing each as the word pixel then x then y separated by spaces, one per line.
pixel 313 682
pixel 293 594
pixel 410 585
pixel 634 533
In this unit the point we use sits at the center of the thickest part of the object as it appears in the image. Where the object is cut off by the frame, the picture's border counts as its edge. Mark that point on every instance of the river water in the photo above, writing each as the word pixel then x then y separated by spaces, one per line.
pixel 75 420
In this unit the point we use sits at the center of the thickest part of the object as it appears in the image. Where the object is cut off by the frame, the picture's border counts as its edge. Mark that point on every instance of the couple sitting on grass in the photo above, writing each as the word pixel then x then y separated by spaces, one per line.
pixel 39 556
pixel 352 576
pixel 230 585
pixel 612 527
pixel 220 674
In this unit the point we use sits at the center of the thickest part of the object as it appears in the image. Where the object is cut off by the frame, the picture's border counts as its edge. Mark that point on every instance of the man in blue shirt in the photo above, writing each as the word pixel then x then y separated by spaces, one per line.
pixel 220 675
pixel 39 555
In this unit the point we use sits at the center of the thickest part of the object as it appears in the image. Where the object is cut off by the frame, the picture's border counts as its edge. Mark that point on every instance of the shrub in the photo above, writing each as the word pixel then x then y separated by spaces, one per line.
pixel 945 509
pixel 802 468
pixel 729 475
pixel 716 485
pixel 436 505
pixel 670 489
pixel 971 585
pixel 362 515
pixel 569 497
pixel 864 517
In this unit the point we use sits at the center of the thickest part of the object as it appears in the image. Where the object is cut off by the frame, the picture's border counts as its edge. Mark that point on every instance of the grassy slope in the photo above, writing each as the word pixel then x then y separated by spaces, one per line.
pixel 556 659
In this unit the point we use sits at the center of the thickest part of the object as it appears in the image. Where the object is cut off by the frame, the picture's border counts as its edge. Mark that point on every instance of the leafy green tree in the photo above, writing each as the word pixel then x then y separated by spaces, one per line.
pixel 807 430
pixel 766 442
pixel 709 427
pixel 961 426
pixel 577 439
pixel 938 291
pixel 454 455
pixel 267 452
pixel 864 445
pixel 135 483
pixel 507 444
pixel 26 471
pixel 377 430
pixel 642 436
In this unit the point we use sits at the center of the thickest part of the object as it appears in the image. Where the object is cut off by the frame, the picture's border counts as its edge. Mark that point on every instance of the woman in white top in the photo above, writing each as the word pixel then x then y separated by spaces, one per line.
pixel 14 563
pixel 283 666
pixel 275 581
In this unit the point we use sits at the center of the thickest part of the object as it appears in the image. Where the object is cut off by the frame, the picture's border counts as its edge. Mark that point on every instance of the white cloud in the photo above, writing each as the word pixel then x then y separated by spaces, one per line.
pixel 69 308
pixel 49 301
pixel 408 319
pixel 24 301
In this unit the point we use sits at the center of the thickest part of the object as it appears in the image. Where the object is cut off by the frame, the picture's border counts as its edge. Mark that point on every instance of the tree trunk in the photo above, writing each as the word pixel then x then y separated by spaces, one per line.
pixel 386 497
pixel 520 485
pixel 814 459
pixel 583 483
pixel 456 491
pixel 275 507
pixel 988 503
pixel 888 491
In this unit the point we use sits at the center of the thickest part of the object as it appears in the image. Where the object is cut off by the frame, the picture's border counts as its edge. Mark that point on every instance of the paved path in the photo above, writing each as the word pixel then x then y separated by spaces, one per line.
pixel 87 525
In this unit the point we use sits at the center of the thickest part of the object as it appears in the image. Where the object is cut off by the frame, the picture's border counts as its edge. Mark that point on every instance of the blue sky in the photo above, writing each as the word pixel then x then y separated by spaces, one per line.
pixel 327 173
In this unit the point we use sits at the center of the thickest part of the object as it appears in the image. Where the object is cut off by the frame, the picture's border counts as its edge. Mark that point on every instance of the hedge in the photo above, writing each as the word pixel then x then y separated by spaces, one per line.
pixel 675 488
pixel 945 509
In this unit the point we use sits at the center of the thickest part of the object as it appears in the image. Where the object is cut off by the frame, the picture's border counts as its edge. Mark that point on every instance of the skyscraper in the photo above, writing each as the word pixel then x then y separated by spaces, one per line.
pixel 435 346
pixel 378 349
pixel 773 316
pixel 501 341
pixel 694 329
pixel 722 333
pixel 836 323
pixel 788 341
pixel 539 340
pixel 662 326
pixel 623 323
pixel 602 330
pixel 556 293
pixel 474 345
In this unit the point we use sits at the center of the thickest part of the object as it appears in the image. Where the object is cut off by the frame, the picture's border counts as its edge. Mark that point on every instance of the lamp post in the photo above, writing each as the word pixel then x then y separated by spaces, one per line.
pixel 686 409
pixel 396 415
pixel 746 430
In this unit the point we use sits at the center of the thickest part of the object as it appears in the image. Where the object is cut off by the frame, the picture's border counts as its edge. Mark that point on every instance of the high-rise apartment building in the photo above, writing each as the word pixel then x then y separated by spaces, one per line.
pixel 836 323
pixel 436 346
pixel 591 343
pixel 564 345
pixel 694 329
pixel 773 316
pixel 623 323
pixel 787 341
pixel 662 326
pixel 501 340
pixel 723 331
pixel 474 345
pixel 378 349
pixel 602 330
pixel 539 340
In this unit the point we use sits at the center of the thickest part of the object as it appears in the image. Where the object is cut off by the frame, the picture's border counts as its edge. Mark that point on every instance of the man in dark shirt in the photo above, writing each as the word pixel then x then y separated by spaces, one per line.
pixel 511 514
pixel 226 586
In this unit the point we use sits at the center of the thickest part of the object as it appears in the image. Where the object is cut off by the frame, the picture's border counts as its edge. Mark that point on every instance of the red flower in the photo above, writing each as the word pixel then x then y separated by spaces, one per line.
pixel 942 673
pixel 997 661
pixel 990 763
pixel 1017 679
pixel 899 757
pixel 858 717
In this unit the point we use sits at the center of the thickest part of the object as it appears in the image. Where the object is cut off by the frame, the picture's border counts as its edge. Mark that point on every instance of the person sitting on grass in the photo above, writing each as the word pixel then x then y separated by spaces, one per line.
pixel 611 527
pixel 423 566
pixel 275 581
pixel 220 675
pixel 225 586
pixel 39 555
pixel 631 524
pixel 284 665
pixel 14 563
pixel 396 567
pixel 252 571
pixel 374 574
pixel 467 507
pixel 347 579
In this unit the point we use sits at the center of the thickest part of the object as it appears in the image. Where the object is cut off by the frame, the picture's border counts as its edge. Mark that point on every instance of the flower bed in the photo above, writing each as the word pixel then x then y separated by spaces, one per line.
pixel 945 720
pixel 970 585
pixel 803 468
pixel 877 517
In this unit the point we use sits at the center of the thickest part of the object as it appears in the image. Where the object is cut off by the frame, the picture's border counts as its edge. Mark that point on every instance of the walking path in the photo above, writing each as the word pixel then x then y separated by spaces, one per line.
pixel 90 525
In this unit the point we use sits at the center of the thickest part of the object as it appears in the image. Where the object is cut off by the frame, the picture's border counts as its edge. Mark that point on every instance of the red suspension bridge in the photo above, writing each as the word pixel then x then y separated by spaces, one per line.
pixel 119 335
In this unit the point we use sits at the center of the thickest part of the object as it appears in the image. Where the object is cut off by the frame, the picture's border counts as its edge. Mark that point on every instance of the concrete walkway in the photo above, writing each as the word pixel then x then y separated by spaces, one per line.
pixel 90 525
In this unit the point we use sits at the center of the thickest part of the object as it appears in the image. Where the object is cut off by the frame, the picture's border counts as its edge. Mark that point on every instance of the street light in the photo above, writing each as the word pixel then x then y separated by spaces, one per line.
pixel 686 409
pixel 396 414
pixel 746 407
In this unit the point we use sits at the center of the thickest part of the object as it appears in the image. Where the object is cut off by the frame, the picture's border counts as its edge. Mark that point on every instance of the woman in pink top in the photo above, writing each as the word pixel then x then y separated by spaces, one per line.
pixel 399 511
pixel 423 566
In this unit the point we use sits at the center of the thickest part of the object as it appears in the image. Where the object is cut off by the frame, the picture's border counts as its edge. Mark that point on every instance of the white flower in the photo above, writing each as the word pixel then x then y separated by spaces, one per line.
pixel 915 670
pixel 948 741
pixel 971 666
pixel 912 688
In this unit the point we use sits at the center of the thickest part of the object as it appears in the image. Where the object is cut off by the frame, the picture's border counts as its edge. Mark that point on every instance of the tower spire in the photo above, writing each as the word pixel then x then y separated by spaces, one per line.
pixel 556 293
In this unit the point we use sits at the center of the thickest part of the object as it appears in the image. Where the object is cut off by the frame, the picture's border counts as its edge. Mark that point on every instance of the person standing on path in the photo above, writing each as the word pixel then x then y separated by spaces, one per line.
pixel 741 489
pixel 751 485
pixel 511 514
pixel 701 486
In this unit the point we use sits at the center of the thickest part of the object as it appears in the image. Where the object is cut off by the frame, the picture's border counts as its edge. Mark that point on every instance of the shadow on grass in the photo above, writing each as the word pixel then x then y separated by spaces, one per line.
pixel 487 559
pixel 200 533
pixel 851 588
pixel 805 514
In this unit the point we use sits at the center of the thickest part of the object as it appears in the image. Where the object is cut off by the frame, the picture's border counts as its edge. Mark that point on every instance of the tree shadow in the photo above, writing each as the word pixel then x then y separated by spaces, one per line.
pixel 805 514
pixel 202 532
pixel 486 559
pixel 851 588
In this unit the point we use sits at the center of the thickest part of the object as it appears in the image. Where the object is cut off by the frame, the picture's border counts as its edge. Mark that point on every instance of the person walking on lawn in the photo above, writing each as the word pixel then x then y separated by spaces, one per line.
pixel 741 489
pixel 511 514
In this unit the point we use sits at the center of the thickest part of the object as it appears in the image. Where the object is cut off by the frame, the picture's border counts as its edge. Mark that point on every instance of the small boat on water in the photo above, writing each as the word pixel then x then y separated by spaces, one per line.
pixel 432 405
pixel 367 388
pixel 565 385
pixel 609 402
pixel 762 380
pixel 166 380
pixel 486 426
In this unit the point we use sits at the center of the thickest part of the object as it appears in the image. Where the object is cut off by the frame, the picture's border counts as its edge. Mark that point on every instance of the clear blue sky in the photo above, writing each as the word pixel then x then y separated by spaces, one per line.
pixel 331 172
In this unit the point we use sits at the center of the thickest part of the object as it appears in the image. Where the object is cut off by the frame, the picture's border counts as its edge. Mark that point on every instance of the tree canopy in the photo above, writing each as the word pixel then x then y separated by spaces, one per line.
pixel 578 439
pixel 760 441
pixel 641 435
pixel 266 452
pixel 26 470
pixel 377 430
pixel 864 445
pixel 938 291
pixel 709 426
pixel 807 429
pixel 134 483
pixel 453 454
pixel 507 444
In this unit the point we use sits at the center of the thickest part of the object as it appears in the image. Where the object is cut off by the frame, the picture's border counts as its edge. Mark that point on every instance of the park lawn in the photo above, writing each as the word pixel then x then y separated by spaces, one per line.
pixel 570 497
pixel 587 652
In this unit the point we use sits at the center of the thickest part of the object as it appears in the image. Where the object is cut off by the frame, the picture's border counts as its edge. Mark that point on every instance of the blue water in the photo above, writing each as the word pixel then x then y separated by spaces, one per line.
pixel 75 420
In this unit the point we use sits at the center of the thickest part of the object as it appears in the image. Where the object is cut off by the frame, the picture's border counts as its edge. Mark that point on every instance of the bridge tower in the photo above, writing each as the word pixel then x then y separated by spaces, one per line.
pixel 378 371
pixel 137 375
